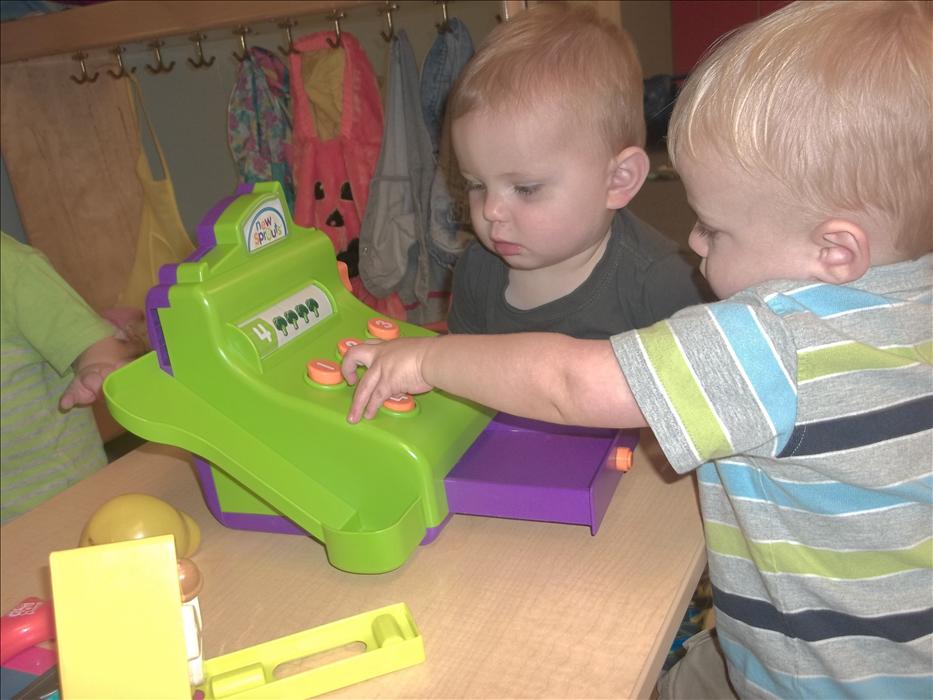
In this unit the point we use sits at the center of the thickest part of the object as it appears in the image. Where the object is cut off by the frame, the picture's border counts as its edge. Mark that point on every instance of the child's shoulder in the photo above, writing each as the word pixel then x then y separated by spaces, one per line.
pixel 14 254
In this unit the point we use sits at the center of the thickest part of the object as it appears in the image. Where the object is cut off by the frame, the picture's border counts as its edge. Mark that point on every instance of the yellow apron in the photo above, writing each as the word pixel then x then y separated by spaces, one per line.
pixel 162 237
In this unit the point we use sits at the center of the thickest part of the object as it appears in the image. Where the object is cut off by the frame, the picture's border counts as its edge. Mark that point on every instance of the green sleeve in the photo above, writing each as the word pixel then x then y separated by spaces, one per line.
pixel 45 310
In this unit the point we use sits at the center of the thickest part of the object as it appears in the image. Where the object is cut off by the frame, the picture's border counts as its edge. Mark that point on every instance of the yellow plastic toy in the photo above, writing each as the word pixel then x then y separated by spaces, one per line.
pixel 133 516
pixel 118 621
pixel 120 628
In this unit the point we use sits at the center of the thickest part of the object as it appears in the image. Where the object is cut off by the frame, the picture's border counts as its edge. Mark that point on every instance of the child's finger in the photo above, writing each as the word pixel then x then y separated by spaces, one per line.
pixel 360 400
pixel 356 356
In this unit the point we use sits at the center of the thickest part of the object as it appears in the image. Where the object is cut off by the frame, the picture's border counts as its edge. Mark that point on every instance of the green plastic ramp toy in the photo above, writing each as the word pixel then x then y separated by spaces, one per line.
pixel 247 335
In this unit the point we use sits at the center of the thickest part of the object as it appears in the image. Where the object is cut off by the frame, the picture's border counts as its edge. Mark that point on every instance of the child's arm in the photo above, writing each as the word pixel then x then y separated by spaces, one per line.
pixel 92 367
pixel 545 376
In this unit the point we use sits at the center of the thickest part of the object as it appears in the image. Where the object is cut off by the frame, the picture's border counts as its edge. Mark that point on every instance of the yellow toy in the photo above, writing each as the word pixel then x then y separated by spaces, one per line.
pixel 120 621
pixel 133 516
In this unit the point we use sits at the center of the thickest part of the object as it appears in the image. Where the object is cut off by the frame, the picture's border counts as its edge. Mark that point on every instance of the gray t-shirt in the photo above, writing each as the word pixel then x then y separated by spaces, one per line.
pixel 642 278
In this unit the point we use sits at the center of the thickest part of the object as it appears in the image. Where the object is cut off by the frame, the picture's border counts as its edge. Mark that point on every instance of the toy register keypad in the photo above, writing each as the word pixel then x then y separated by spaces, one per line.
pixel 326 373
pixel 400 403
pixel 346 344
pixel 382 329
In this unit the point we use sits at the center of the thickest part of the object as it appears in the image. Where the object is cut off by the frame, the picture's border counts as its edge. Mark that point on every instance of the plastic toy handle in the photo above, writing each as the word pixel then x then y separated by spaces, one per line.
pixel 621 459
pixel 27 624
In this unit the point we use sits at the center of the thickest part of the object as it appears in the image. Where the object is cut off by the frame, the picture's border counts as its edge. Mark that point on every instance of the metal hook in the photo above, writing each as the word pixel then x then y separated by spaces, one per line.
pixel 242 31
pixel 159 66
pixel 507 6
pixel 122 73
pixel 197 38
pixel 289 48
pixel 335 16
pixel 85 78
pixel 444 25
pixel 389 8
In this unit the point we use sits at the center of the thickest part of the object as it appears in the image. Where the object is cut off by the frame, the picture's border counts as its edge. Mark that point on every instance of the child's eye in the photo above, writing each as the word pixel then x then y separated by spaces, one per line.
pixel 526 190
pixel 703 230
pixel 474 186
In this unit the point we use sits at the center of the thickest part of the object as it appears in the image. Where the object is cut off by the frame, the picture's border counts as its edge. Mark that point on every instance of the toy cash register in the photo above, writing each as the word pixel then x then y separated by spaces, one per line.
pixel 247 335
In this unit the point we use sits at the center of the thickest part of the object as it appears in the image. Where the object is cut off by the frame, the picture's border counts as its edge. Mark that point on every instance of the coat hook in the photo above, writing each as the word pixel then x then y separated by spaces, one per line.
pixel 159 66
pixel 117 51
pixel 335 16
pixel 241 32
pixel 444 25
pixel 289 47
pixel 389 8
pixel 506 13
pixel 85 78
pixel 200 62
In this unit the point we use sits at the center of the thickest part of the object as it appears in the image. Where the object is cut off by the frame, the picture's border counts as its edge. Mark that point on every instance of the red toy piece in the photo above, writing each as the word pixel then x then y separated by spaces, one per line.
pixel 27 624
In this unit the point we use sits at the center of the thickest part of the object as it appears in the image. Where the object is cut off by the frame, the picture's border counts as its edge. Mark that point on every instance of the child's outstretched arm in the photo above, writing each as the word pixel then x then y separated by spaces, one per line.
pixel 545 376
pixel 92 367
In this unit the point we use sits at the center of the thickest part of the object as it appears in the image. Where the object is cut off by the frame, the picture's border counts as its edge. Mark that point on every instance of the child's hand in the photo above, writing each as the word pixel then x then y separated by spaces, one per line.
pixel 85 388
pixel 92 367
pixel 394 368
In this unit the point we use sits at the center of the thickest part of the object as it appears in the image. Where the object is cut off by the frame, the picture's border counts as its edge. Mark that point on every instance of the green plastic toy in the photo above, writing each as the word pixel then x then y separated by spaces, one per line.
pixel 236 329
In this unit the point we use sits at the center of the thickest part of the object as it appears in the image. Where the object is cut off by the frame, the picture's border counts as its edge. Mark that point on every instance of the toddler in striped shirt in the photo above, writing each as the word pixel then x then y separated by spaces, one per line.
pixel 803 399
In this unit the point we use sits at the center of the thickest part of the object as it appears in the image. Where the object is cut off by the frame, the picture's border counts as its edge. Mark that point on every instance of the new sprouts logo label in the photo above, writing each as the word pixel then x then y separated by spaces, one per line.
pixel 266 226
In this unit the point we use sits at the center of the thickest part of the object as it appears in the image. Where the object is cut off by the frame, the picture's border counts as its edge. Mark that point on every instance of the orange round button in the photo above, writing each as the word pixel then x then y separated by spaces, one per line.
pixel 400 403
pixel 382 328
pixel 621 459
pixel 324 372
pixel 346 344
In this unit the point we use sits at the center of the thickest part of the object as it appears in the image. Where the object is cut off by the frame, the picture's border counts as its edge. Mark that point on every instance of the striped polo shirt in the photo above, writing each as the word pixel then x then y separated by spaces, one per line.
pixel 808 410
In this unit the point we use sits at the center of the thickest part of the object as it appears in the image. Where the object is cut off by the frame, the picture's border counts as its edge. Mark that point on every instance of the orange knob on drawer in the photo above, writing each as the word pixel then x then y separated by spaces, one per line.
pixel 382 328
pixel 324 372
pixel 620 459
pixel 401 403
pixel 346 344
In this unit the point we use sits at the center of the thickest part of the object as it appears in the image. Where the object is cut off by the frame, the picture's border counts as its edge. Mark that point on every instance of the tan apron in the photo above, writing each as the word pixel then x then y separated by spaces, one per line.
pixel 70 151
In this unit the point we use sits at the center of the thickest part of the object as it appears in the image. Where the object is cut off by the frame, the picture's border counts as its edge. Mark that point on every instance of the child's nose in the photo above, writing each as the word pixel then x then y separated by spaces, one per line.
pixel 493 207
pixel 699 244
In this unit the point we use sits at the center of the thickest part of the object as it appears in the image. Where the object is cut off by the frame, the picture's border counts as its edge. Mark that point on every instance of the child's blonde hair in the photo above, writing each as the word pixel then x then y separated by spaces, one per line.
pixel 556 56
pixel 832 99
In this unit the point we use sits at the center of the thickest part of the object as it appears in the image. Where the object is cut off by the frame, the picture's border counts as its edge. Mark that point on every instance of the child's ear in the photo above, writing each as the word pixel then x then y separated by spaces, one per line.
pixel 844 253
pixel 628 171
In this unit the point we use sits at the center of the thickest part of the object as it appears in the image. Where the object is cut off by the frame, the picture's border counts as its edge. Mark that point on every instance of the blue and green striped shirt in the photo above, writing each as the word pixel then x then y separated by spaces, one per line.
pixel 808 409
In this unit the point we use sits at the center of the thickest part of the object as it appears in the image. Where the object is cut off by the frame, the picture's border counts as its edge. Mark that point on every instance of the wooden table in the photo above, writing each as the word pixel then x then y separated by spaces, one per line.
pixel 507 608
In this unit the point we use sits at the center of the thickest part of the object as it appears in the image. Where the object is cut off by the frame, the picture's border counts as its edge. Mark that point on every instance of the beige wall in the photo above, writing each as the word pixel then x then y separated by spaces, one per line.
pixel 649 23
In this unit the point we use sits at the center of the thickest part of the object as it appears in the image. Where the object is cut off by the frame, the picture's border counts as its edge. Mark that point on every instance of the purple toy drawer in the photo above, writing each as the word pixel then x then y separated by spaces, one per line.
pixel 530 470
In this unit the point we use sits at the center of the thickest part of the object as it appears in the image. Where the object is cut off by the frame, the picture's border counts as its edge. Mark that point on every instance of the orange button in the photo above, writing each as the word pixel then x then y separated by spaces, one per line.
pixel 382 328
pixel 346 344
pixel 400 403
pixel 620 459
pixel 324 372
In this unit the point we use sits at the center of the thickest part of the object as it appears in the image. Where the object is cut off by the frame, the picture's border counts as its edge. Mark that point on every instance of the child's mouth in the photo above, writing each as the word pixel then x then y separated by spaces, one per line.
pixel 505 249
